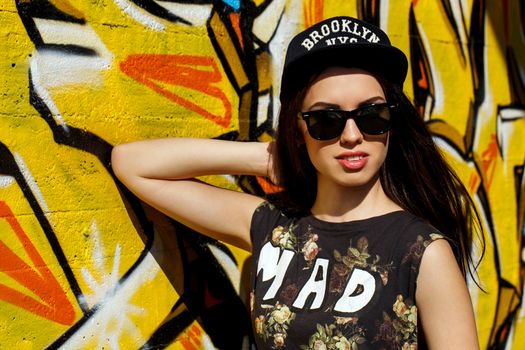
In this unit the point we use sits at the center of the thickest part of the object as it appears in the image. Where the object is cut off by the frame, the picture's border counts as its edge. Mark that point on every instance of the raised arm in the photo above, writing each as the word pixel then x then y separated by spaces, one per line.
pixel 161 172
pixel 443 302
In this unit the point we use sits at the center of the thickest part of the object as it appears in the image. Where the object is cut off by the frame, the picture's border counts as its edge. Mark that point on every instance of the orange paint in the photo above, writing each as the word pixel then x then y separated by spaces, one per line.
pixel 196 330
pixel 488 160
pixel 187 343
pixel 235 18
pixel 193 72
pixel 423 82
pixel 473 182
pixel 313 12
pixel 195 335
pixel 373 7
pixel 192 339
pixel 267 186
pixel 53 303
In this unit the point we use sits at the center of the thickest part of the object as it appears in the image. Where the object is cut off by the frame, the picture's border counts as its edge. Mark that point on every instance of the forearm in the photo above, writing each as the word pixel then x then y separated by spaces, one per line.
pixel 181 158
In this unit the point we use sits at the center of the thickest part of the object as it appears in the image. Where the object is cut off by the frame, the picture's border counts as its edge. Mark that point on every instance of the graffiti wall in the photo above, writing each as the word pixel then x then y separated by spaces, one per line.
pixel 85 265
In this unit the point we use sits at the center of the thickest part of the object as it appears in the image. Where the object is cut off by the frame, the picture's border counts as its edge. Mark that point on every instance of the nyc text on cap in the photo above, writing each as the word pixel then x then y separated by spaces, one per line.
pixel 343 41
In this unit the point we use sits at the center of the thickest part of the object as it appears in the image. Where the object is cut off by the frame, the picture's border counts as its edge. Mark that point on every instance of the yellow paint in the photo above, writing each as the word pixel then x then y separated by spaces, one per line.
pixel 101 237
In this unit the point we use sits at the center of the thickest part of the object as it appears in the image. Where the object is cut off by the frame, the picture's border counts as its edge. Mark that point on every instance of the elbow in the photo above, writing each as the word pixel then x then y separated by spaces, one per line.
pixel 119 158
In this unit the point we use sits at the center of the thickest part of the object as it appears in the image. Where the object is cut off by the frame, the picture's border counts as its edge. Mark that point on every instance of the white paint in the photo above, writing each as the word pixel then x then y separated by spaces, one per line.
pixel 487 108
pixel 196 14
pixel 112 318
pixel 229 266
pixel 436 77
pixel 384 14
pixel 265 25
pixel 6 181
pixel 207 344
pixel 465 10
pixel 26 173
pixel 458 13
pixel 510 340
pixel 140 15
pixel 43 93
pixel 230 178
pixel 67 33
pixel 263 102
pixel 109 281
pixel 475 249
pixel 59 68
pixel 283 35
pixel 508 129
pixel 54 68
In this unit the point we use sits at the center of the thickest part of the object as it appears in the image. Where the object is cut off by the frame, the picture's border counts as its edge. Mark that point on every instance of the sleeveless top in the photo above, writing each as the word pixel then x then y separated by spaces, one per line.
pixel 323 285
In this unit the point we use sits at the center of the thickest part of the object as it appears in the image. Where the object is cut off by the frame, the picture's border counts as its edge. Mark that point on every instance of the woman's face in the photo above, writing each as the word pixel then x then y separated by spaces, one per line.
pixel 352 158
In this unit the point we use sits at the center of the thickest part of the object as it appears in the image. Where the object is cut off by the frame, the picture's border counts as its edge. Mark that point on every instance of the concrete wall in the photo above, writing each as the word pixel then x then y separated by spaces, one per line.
pixel 85 265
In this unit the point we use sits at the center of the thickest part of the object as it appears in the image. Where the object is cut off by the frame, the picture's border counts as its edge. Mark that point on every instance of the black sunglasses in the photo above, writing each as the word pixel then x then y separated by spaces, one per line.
pixel 327 124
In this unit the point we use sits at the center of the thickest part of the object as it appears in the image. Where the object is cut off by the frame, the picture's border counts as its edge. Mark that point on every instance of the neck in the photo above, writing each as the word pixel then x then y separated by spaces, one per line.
pixel 337 203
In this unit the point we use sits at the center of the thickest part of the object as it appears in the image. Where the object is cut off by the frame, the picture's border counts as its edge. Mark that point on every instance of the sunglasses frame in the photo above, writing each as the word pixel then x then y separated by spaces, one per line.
pixel 345 115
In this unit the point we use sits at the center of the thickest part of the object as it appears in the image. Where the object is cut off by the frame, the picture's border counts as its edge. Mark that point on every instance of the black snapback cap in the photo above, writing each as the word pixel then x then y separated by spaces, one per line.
pixel 344 41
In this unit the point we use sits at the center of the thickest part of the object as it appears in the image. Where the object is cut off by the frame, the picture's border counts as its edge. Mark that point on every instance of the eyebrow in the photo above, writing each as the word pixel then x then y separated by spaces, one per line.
pixel 368 101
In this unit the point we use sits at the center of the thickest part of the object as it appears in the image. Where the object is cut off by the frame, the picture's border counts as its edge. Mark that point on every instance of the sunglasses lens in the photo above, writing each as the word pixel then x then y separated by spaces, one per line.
pixel 329 124
pixel 325 124
pixel 373 120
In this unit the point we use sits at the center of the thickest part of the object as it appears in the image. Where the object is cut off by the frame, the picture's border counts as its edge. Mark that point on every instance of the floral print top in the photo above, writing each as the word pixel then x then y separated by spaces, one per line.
pixel 322 285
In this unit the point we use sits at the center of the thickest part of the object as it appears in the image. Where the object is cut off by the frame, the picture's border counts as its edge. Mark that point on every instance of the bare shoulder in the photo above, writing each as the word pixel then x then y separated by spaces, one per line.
pixel 440 259
pixel 443 300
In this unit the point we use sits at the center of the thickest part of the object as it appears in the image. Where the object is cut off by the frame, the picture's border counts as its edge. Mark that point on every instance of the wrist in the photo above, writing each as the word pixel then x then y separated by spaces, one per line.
pixel 260 159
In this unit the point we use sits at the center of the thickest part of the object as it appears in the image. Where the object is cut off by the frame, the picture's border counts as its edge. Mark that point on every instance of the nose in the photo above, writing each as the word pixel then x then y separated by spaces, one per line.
pixel 351 133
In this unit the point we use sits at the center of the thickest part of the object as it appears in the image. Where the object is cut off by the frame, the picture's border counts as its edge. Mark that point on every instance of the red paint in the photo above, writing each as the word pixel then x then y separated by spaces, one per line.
pixel 235 19
pixel 209 299
pixel 198 73
pixel 488 160
pixel 53 303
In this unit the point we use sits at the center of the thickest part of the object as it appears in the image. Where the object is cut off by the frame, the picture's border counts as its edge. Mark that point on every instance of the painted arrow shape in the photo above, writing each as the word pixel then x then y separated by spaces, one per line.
pixel 53 303
pixel 193 72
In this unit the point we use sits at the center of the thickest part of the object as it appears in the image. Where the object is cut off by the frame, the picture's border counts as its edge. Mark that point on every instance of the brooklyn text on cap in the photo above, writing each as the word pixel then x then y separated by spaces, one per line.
pixel 343 41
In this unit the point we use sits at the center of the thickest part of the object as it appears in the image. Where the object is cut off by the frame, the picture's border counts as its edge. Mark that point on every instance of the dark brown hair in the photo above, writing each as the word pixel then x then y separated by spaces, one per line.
pixel 414 175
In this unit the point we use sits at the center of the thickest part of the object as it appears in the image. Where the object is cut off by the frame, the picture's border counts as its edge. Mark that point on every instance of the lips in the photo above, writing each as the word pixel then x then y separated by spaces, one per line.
pixel 353 160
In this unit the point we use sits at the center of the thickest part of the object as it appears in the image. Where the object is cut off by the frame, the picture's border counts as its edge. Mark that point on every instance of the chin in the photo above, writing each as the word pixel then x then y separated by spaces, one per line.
pixel 357 181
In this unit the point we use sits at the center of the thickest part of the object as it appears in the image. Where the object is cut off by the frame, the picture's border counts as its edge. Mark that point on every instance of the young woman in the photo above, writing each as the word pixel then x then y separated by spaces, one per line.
pixel 368 245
